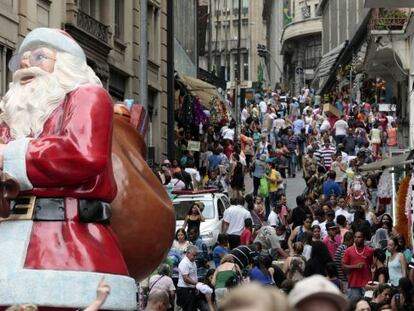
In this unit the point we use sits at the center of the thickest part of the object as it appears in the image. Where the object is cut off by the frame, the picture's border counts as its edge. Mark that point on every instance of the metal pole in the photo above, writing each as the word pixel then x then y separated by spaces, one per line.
pixel 238 78
pixel 170 80
pixel 143 53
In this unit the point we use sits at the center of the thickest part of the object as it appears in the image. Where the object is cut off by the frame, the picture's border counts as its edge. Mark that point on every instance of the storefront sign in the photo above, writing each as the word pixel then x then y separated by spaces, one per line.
pixel 193 145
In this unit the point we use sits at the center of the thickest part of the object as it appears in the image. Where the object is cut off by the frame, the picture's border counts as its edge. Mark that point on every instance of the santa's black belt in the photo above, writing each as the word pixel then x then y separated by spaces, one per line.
pixel 53 209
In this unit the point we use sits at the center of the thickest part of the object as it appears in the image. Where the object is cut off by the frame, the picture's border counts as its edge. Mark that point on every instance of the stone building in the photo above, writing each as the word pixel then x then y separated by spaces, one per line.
pixel 108 31
pixel 301 43
pixel 222 46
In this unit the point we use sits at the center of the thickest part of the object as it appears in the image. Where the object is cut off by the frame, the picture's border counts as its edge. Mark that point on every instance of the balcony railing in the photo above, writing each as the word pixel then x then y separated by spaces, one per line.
pixel 389 19
pixel 92 26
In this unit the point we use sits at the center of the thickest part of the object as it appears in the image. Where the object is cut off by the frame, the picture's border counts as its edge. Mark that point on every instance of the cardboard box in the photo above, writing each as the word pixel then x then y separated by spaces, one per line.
pixel 331 110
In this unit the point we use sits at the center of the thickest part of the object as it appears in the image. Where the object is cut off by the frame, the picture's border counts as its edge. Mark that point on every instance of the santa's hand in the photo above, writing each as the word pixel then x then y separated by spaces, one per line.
pixel 102 291
pixel 2 147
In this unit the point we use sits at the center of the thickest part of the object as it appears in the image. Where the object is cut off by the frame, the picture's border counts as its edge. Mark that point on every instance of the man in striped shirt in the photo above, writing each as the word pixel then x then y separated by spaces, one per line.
pixel 340 252
pixel 326 153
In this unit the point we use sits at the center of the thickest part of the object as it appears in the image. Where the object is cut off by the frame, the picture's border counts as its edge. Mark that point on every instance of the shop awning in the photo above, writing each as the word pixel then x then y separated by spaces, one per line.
pixel 326 65
pixel 394 161
pixel 205 91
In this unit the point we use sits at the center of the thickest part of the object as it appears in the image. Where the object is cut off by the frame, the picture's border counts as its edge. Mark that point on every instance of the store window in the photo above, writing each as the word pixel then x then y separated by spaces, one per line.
pixel 119 19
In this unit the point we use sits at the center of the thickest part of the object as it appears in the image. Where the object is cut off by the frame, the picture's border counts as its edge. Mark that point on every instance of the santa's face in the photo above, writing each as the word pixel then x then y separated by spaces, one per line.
pixel 43 58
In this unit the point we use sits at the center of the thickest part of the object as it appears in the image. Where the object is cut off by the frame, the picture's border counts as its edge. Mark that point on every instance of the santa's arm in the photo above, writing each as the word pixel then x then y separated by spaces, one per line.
pixel 77 154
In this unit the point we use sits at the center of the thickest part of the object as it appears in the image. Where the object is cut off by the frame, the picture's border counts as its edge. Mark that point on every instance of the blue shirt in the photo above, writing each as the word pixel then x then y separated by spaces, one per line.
pixel 259 168
pixel 216 254
pixel 257 275
pixel 330 187
pixel 298 125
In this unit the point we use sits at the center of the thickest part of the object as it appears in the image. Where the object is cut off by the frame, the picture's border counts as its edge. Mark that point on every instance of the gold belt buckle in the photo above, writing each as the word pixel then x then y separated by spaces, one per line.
pixel 21 208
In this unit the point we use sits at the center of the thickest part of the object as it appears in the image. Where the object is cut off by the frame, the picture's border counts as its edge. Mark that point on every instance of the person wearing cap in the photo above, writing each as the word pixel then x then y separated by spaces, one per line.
pixel 317 293
pixel 56 133
pixel 333 239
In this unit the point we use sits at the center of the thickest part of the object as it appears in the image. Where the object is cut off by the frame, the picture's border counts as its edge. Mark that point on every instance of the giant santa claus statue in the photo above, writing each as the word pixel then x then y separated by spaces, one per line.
pixel 56 241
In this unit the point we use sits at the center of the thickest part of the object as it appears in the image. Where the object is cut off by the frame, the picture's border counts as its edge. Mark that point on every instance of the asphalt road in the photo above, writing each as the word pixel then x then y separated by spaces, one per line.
pixel 294 187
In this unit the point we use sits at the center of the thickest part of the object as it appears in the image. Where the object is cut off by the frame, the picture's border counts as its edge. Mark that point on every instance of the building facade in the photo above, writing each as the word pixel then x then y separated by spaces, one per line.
pixel 301 42
pixel 108 31
pixel 222 41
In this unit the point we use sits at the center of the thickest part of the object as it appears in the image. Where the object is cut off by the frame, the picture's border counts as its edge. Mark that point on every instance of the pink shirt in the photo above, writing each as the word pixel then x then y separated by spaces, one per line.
pixel 332 245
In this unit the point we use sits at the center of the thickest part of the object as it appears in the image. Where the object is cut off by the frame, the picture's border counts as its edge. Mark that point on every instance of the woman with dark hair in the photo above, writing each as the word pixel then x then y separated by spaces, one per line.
pixel 194 218
pixel 403 301
pixel 297 233
pixel 319 258
pixel 181 241
pixel 379 270
pixel 207 302
pixel 263 271
pixel 402 247
pixel 257 221
pixel 397 266
pixel 236 174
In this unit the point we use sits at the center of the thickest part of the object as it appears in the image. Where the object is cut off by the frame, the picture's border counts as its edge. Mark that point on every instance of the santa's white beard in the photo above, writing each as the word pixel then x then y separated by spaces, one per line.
pixel 25 108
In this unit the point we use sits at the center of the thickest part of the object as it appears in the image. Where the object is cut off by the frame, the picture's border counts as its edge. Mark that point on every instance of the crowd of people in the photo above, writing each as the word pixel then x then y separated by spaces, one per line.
pixel 341 227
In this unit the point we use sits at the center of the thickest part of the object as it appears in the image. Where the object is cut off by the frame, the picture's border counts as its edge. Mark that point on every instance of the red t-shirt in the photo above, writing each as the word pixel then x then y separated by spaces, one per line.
pixel 358 278
pixel 246 237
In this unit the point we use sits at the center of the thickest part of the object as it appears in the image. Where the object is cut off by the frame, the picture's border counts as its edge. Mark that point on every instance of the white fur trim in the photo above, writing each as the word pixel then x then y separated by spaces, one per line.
pixel 15 162
pixel 65 289
pixel 54 38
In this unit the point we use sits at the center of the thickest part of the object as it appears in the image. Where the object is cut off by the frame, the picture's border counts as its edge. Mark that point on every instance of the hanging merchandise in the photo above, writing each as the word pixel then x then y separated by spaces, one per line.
pixel 218 112
pixel 408 208
pixel 357 192
pixel 385 188
pixel 402 221
pixel 199 115
pixel 186 113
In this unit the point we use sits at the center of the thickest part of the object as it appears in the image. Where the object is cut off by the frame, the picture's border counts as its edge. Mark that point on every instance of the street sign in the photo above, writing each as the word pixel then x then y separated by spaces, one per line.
pixel 243 85
pixel 299 70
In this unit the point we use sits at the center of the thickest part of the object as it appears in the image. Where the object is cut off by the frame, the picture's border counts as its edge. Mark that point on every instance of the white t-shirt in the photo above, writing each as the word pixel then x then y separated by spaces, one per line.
pixel 325 126
pixel 263 107
pixel 349 216
pixel 161 282
pixel 228 133
pixel 195 175
pixel 273 219
pixel 341 127
pixel 186 267
pixel 235 216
